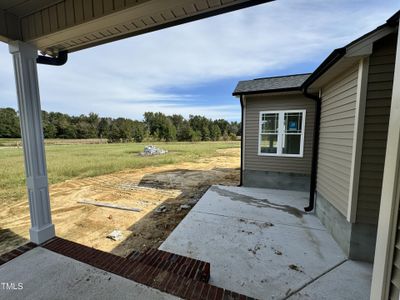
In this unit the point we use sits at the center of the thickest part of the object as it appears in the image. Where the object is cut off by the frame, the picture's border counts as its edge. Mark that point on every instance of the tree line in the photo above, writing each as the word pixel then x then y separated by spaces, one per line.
pixel 155 127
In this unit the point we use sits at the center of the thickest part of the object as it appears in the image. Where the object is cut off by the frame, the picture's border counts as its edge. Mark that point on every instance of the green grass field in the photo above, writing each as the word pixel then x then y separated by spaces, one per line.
pixel 86 160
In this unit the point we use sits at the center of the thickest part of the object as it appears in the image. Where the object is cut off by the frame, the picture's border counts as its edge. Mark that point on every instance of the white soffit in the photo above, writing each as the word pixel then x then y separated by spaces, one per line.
pixel 72 25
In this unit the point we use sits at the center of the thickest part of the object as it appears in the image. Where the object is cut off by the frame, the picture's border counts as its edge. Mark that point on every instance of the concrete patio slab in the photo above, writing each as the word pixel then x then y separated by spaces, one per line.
pixel 258 241
pixel 346 282
pixel 276 206
pixel 48 275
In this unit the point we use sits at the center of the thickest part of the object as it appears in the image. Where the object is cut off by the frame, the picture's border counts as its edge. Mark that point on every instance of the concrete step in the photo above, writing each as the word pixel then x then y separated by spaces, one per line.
pixel 180 265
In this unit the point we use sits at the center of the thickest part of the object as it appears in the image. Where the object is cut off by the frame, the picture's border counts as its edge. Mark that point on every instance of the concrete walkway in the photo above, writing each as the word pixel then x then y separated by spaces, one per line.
pixel 43 274
pixel 260 243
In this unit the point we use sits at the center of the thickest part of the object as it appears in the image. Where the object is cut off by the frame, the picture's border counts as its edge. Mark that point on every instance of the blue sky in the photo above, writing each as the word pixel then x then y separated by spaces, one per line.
pixel 193 68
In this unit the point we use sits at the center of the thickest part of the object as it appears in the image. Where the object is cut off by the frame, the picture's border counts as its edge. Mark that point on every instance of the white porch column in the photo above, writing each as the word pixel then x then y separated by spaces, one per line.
pixel 26 77
pixel 390 197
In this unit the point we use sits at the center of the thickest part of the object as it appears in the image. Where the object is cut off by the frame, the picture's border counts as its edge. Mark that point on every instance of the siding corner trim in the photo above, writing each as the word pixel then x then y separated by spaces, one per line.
pixel 362 84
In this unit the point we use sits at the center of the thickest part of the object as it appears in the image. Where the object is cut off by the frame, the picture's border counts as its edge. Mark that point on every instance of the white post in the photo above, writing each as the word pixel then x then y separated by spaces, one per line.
pixel 26 77
pixel 390 196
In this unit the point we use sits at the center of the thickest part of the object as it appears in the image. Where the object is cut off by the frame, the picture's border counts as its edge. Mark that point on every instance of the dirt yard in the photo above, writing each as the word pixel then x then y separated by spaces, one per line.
pixel 148 189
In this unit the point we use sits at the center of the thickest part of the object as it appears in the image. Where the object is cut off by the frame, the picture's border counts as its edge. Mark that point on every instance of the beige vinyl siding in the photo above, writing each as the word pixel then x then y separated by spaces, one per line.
pixel 257 103
pixel 336 138
pixel 379 93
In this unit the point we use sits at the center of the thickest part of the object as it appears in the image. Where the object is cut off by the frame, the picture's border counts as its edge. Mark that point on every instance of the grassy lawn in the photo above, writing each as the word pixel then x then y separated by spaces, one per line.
pixel 86 160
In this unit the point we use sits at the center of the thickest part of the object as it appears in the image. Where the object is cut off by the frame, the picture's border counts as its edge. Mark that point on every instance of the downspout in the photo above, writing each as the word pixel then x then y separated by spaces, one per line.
pixel 334 57
pixel 59 60
pixel 314 164
pixel 241 139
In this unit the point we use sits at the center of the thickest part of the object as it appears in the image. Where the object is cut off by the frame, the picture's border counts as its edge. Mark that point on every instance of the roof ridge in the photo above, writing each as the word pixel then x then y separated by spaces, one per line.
pixel 282 76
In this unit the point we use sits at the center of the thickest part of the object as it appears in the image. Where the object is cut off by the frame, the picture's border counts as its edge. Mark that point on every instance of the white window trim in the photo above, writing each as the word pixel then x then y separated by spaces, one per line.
pixel 281 132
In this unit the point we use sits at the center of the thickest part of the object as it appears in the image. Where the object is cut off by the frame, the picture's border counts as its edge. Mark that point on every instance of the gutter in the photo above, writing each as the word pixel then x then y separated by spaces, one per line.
pixel 314 163
pixel 290 89
pixel 332 59
pixel 59 60
pixel 241 140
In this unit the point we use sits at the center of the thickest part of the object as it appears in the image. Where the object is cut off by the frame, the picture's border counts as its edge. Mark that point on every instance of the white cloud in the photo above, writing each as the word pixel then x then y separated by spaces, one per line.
pixel 116 79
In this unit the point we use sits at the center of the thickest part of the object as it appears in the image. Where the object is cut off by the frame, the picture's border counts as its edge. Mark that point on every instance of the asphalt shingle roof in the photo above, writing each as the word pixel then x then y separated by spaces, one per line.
pixel 270 84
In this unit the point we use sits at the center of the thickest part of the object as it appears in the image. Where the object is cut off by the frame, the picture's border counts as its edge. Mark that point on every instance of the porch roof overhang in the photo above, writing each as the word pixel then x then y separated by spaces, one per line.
pixel 71 25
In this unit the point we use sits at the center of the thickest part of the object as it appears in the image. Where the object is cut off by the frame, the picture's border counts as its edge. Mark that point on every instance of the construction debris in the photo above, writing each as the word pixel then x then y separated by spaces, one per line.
pixel 254 250
pixel 102 204
pixel 153 150
pixel 295 268
pixel 161 209
pixel 184 206
pixel 116 235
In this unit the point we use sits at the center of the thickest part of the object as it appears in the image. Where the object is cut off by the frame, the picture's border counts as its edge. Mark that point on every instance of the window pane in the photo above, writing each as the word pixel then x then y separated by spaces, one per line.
pixel 269 123
pixel 291 144
pixel 269 143
pixel 293 122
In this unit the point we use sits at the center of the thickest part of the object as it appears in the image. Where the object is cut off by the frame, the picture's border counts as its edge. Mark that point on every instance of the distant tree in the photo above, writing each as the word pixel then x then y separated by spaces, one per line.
pixel 63 123
pixel 166 131
pixel 49 129
pixel 160 126
pixel 196 136
pixel 225 136
pixel 124 128
pixel 138 131
pixel 93 121
pixel 234 128
pixel 201 124
pixel 157 126
pixel 215 132
pixel 83 130
pixel 103 127
pixel 177 120
pixel 232 136
pixel 114 134
pixel 205 133
pixel 184 132
pixel 9 123
pixel 223 125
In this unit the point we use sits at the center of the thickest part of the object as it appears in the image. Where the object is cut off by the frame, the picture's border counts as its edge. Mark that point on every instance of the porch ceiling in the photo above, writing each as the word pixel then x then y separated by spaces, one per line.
pixel 54 25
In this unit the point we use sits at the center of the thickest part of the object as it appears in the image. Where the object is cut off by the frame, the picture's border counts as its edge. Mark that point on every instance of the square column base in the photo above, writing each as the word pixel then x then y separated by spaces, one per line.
pixel 39 236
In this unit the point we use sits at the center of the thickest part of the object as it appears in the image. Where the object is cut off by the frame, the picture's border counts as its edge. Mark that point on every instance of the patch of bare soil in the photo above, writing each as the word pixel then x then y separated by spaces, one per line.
pixel 158 191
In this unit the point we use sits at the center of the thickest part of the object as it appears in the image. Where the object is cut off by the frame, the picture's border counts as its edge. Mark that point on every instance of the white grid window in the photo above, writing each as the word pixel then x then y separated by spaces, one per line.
pixel 282 133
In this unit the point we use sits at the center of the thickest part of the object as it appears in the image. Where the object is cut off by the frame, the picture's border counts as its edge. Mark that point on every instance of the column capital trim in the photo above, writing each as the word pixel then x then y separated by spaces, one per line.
pixel 27 50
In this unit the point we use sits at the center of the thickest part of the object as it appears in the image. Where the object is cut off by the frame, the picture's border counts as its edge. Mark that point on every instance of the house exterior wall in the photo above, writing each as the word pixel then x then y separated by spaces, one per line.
pixel 341 101
pixel 338 108
pixel 379 93
pixel 276 171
